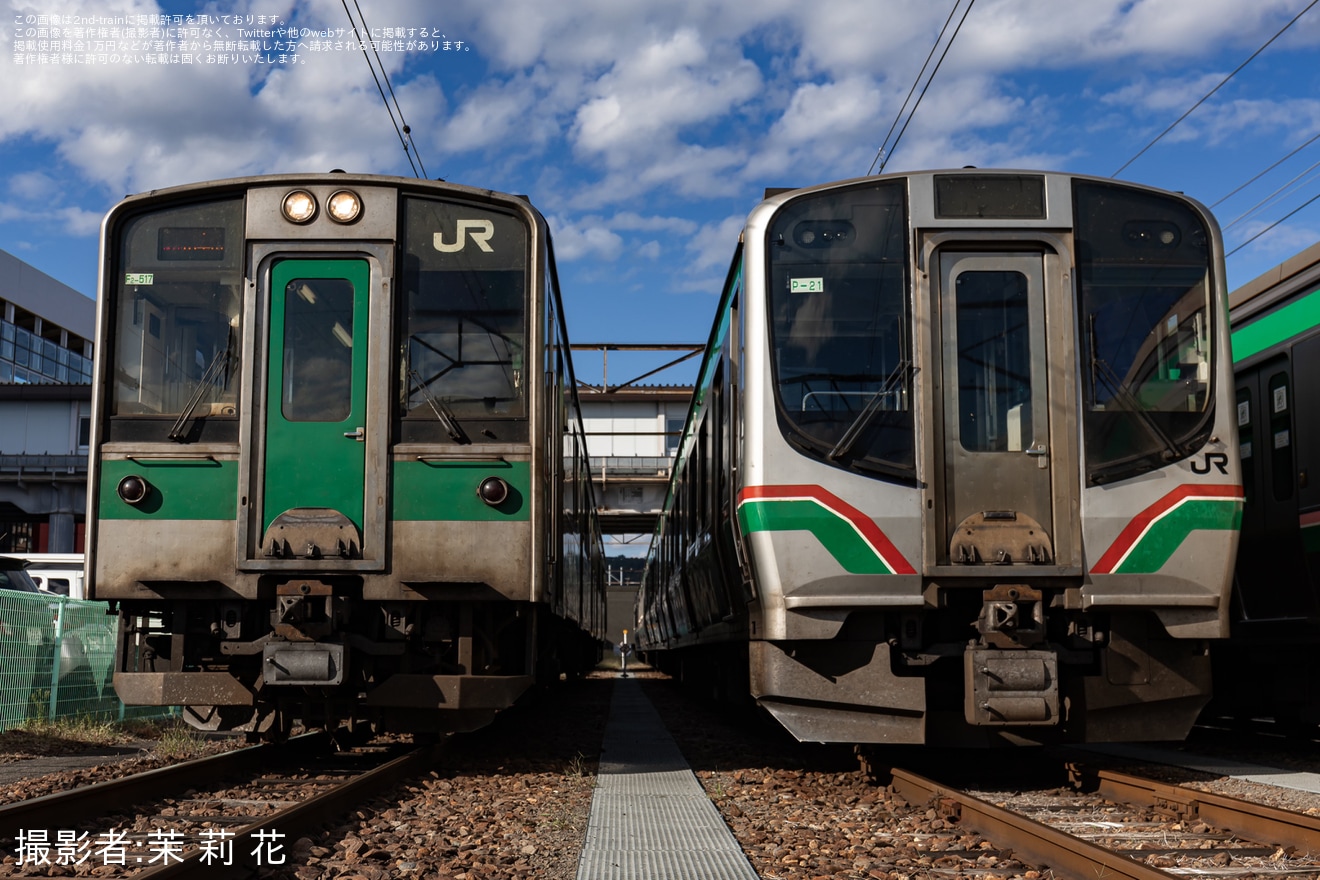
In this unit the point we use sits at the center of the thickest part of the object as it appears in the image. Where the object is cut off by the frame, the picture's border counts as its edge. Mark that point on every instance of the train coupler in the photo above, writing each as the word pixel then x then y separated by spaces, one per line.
pixel 1012 616
pixel 308 664
pixel 307 610
pixel 1005 688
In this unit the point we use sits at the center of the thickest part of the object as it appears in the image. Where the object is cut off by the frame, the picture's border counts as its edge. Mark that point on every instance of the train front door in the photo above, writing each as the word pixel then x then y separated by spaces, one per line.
pixel 996 456
pixel 315 467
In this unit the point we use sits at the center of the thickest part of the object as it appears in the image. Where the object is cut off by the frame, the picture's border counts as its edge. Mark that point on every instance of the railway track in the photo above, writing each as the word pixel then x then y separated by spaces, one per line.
pixel 1117 825
pixel 226 815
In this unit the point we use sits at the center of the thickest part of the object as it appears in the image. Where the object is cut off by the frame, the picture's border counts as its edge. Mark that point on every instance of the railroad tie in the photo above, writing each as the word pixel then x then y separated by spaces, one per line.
pixel 650 818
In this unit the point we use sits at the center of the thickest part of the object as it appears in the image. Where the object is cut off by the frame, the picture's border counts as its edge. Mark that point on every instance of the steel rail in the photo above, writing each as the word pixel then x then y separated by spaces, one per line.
pixel 1030 841
pixel 67 809
pixel 1258 822
pixel 290 823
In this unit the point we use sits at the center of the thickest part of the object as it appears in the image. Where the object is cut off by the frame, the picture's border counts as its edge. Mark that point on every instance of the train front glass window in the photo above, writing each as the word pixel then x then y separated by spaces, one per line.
pixel 318 350
pixel 463 334
pixel 176 313
pixel 994 361
pixel 1144 321
pixel 839 327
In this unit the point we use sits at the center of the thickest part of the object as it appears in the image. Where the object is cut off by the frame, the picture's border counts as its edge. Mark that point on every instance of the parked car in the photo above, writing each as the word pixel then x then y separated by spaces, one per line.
pixel 20 626
pixel 60 573
pixel 13 577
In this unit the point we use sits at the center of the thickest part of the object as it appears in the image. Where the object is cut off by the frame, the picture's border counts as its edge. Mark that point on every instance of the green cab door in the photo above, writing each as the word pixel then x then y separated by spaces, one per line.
pixel 315 474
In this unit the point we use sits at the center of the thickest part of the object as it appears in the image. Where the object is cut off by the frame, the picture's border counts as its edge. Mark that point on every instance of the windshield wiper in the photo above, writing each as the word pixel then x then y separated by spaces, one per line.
pixel 208 380
pixel 1105 374
pixel 868 412
pixel 1132 405
pixel 443 414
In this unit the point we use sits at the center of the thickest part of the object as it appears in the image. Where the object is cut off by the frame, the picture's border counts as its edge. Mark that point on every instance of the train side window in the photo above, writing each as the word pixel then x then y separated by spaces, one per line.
pixel 177 313
pixel 1279 403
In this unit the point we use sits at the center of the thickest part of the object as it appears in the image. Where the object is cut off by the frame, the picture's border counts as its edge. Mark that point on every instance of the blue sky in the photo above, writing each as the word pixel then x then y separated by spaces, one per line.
pixel 646 130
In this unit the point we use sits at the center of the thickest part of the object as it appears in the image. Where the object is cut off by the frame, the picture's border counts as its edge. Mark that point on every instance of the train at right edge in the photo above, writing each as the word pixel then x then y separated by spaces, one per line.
pixel 1268 668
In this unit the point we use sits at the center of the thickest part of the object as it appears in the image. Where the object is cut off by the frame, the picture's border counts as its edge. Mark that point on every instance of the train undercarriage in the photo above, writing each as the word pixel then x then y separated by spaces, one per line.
pixel 1010 665
pixel 318 655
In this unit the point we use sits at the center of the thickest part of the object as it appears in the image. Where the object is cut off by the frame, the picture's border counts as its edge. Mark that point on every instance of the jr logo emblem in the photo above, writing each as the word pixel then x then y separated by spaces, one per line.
pixel 1216 460
pixel 479 231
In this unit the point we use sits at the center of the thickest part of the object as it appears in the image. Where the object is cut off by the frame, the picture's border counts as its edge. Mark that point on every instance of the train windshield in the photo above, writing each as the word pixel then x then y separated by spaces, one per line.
pixel 466 285
pixel 839 324
pixel 1144 293
pixel 177 311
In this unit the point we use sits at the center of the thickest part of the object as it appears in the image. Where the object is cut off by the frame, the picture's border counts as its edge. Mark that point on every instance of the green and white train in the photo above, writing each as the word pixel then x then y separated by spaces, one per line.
pixel 962 465
pixel 338 471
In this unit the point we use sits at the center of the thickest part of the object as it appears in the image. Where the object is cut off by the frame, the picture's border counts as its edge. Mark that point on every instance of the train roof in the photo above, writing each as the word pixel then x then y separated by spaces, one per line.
pixel 1300 270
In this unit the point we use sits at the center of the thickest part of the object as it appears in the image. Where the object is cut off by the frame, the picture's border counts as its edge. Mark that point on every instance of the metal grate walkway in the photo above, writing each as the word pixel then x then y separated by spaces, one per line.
pixel 650 818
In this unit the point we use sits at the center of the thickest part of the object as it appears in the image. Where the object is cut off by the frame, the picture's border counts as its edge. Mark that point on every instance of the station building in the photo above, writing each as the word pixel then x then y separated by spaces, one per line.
pixel 632 436
pixel 46 332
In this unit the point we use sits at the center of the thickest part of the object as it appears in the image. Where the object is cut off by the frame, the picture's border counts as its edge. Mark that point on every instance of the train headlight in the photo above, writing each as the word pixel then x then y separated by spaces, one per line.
pixel 299 206
pixel 493 491
pixel 133 489
pixel 344 206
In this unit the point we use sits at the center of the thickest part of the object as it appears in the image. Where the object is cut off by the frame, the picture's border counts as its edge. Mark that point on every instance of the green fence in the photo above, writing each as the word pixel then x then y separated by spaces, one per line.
pixel 55 660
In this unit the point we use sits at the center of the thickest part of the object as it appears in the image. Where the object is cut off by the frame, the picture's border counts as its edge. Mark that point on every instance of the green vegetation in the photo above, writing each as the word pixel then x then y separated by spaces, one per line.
pixel 170 739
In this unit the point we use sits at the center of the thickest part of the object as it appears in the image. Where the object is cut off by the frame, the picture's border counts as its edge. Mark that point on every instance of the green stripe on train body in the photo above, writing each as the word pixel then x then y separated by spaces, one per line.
pixel 447 490
pixel 180 489
pixel 836 534
pixel 208 489
pixel 1282 324
pixel 1167 534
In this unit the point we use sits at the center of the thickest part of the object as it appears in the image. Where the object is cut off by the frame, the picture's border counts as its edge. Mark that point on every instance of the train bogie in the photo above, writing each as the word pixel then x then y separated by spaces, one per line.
pixel 327 483
pixel 986 487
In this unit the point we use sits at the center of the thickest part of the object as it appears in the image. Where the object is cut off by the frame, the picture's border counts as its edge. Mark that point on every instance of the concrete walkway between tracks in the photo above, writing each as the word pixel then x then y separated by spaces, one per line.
pixel 1300 780
pixel 650 818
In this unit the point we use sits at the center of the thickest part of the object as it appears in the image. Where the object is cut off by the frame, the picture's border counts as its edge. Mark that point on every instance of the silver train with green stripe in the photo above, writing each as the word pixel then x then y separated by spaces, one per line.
pixel 1269 668
pixel 338 471
pixel 961 467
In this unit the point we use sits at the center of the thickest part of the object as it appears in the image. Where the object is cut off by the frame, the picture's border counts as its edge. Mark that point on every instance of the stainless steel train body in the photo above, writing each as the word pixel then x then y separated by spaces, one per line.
pixel 338 471
pixel 1268 668
pixel 961 466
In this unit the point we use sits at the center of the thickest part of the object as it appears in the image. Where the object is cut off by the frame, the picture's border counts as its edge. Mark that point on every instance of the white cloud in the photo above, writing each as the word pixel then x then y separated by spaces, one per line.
pixel 585 237
pixel 713 245
pixel 33 185
pixel 646 99
pixel 80 222
pixel 630 220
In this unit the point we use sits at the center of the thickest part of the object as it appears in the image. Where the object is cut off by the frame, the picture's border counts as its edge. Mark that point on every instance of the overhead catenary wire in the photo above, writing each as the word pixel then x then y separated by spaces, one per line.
pixel 400 125
pixel 1257 177
pixel 915 82
pixel 929 80
pixel 1272 225
pixel 1272 196
pixel 1207 95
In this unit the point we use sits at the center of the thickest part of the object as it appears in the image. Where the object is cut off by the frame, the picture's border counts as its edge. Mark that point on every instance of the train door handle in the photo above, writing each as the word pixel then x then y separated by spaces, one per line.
pixel 359 435
pixel 1041 452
